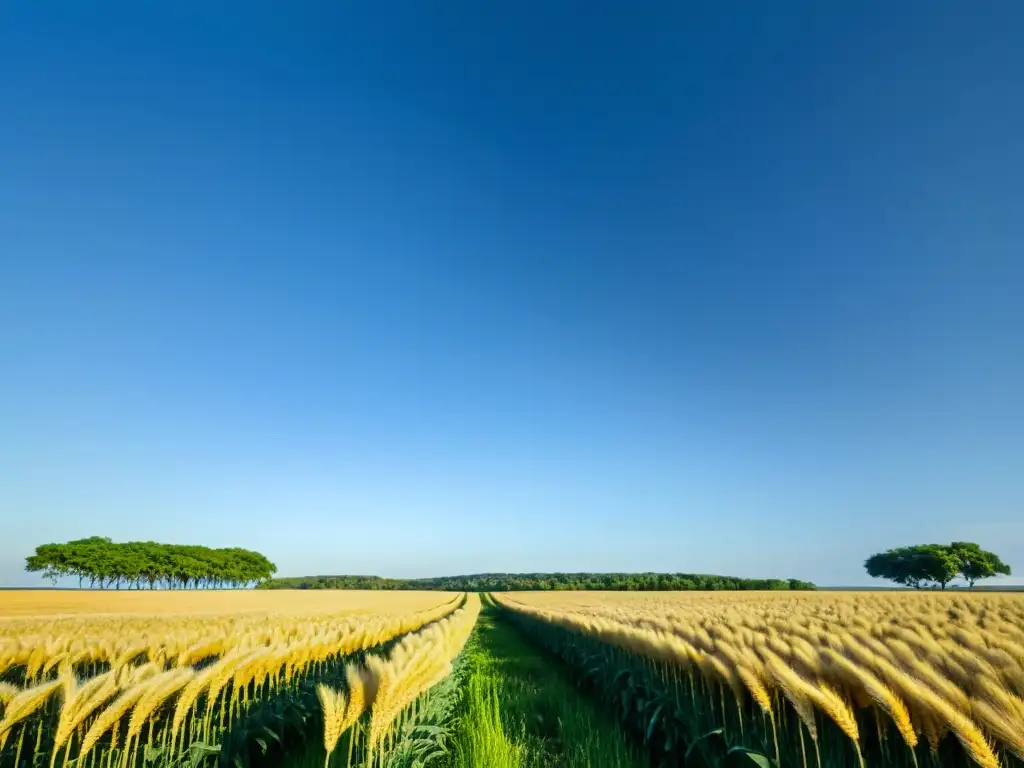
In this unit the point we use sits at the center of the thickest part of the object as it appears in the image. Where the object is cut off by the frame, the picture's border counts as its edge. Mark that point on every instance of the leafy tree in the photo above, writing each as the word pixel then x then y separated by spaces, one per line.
pixel 50 561
pixel 941 564
pixel 508 582
pixel 975 563
pixel 136 563
pixel 913 566
pixel 934 564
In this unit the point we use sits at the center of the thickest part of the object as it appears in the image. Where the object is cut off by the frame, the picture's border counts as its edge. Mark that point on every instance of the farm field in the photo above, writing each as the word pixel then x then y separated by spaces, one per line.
pixel 46 602
pixel 511 680
pixel 171 680
pixel 858 679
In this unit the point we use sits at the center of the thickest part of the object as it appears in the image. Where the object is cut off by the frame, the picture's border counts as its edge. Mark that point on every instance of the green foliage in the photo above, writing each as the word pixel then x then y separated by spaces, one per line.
pixel 520 709
pixel 481 738
pixel 512 582
pixel 105 563
pixel 935 564
pixel 975 563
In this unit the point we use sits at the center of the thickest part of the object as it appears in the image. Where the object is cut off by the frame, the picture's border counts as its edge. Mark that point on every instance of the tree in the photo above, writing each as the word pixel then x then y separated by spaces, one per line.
pixel 50 560
pixel 934 564
pixel 940 563
pixel 135 563
pixel 975 563
pixel 507 582
pixel 914 566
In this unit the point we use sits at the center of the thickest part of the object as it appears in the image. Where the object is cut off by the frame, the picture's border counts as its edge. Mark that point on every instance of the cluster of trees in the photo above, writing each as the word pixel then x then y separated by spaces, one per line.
pixel 138 564
pixel 510 582
pixel 936 565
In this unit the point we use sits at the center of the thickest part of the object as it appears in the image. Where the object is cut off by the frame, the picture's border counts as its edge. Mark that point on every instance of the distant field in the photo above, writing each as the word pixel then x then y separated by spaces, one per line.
pixel 294 602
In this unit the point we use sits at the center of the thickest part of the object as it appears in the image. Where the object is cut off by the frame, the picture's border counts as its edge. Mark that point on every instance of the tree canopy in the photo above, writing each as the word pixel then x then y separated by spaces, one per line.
pixel 925 565
pixel 975 563
pixel 105 564
pixel 510 582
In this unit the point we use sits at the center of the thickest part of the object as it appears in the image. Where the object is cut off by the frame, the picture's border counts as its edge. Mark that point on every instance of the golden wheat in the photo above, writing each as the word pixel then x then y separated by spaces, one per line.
pixel 25 703
pixel 334 705
pixel 415 665
pixel 928 663
pixel 121 672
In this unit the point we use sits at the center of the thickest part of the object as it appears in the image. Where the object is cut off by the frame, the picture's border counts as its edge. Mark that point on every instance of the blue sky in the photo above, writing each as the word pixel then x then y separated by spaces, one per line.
pixel 436 288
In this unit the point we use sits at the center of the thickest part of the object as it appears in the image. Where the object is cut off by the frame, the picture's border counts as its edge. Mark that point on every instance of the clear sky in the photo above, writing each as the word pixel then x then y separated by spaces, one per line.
pixel 427 288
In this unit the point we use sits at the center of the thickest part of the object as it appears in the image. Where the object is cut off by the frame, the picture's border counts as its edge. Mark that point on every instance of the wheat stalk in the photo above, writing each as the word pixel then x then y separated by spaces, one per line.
pixel 333 704
pixel 25 703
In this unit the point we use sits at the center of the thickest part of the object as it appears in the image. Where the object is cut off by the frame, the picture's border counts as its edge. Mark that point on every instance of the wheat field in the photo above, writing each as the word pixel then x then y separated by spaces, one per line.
pixel 783 679
pixel 46 603
pixel 823 678
pixel 154 680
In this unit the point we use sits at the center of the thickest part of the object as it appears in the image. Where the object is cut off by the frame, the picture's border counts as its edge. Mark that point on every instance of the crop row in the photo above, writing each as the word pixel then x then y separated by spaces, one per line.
pixel 390 687
pixel 827 680
pixel 129 690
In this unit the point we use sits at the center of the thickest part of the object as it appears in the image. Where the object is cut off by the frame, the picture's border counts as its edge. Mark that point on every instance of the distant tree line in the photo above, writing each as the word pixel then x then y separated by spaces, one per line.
pixel 511 582
pixel 137 564
pixel 936 565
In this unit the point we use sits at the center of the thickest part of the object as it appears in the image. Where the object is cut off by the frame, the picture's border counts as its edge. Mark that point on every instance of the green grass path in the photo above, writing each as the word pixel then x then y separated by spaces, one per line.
pixel 519 710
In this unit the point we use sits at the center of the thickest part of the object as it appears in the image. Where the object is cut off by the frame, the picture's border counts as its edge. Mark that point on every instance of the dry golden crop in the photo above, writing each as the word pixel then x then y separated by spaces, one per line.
pixel 931 668
pixel 191 602
pixel 391 686
pixel 196 631
pixel 121 682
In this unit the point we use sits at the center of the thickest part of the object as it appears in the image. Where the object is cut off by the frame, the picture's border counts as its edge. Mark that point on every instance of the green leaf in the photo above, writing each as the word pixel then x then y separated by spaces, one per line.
pixel 654 722
pixel 761 761
pixel 152 754
pixel 198 747
pixel 198 751
pixel 262 743
pixel 431 729
pixel 699 739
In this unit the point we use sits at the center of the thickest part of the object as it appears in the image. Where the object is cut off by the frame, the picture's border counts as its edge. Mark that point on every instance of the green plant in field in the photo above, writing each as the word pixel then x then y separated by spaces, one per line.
pixel 481 738
pixel 520 708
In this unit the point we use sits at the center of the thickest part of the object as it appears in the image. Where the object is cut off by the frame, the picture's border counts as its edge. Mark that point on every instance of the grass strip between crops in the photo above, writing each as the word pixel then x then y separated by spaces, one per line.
pixel 520 710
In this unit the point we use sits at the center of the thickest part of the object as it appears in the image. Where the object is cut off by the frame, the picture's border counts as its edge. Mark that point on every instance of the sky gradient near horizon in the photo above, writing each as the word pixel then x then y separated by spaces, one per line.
pixel 421 289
